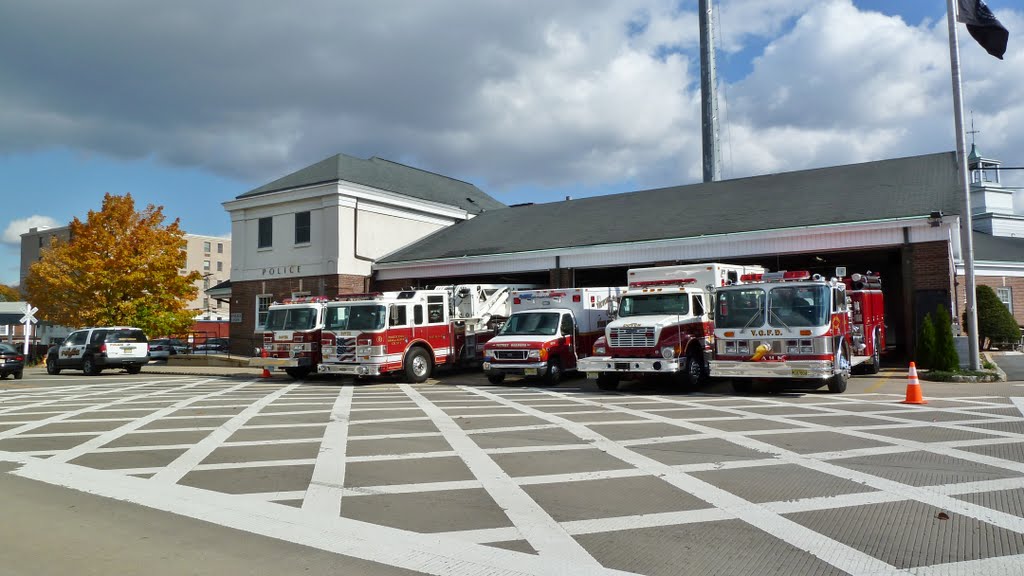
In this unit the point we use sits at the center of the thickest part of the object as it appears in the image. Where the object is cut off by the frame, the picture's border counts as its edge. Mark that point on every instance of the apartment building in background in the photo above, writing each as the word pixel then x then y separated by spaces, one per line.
pixel 211 257
pixel 34 241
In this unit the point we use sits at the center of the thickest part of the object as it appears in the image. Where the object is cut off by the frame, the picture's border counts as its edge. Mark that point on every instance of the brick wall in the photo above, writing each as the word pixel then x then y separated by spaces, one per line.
pixel 931 267
pixel 243 300
pixel 1016 286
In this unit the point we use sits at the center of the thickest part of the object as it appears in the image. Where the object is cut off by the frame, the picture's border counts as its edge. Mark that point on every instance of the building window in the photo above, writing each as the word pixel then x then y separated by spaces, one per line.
pixel 220 266
pixel 206 303
pixel 1006 297
pixel 5 330
pixel 206 247
pixel 206 265
pixel 262 304
pixel 302 227
pixel 206 283
pixel 220 247
pixel 266 235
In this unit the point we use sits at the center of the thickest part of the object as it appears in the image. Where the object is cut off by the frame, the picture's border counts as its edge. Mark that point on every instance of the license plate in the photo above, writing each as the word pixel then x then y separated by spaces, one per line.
pixel 592 375
pixel 530 371
pixel 487 366
pixel 800 372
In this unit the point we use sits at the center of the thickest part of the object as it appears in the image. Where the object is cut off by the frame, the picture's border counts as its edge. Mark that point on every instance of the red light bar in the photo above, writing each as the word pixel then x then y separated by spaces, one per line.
pixel 675 282
pixel 575 297
pixel 304 300
pixel 750 278
pixel 796 275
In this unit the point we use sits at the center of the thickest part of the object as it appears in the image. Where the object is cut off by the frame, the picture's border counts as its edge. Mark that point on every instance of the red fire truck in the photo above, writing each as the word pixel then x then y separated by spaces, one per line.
pixel 291 337
pixel 799 328
pixel 548 332
pixel 411 331
pixel 663 326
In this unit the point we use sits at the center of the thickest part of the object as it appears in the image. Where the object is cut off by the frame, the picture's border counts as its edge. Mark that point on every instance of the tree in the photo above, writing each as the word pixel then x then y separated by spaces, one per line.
pixel 945 356
pixel 995 321
pixel 9 294
pixel 119 268
pixel 925 343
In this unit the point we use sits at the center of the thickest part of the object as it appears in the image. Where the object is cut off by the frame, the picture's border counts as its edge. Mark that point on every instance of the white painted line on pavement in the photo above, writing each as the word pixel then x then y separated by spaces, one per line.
pixel 323 495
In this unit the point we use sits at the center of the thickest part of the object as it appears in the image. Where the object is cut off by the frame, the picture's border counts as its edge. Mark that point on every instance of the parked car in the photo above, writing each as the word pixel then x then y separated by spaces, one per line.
pixel 213 345
pixel 162 348
pixel 95 349
pixel 11 361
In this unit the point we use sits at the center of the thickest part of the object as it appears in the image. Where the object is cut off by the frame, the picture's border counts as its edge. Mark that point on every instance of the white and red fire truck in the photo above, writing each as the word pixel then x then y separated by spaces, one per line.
pixel 411 331
pixel 663 326
pixel 800 328
pixel 548 332
pixel 291 337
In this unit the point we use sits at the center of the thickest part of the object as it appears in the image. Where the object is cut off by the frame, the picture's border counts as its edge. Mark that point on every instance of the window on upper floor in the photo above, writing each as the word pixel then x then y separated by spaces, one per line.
pixel 206 247
pixel 302 227
pixel 220 266
pixel 220 247
pixel 266 233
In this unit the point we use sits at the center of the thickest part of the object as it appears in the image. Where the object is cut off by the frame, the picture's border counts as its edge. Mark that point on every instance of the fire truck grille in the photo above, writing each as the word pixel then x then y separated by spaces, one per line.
pixel 346 349
pixel 510 354
pixel 631 338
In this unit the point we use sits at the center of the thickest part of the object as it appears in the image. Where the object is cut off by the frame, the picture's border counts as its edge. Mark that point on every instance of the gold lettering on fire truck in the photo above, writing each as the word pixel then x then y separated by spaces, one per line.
pixel 396 339
pixel 774 332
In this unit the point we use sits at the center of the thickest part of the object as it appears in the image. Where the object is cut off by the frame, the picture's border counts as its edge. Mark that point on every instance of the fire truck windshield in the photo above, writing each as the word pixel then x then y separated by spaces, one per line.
pixel 355 317
pixel 531 323
pixel 292 319
pixel 740 308
pixel 654 304
pixel 798 306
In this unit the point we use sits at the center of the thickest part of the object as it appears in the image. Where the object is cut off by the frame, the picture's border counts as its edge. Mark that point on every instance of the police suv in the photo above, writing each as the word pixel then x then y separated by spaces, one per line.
pixel 94 349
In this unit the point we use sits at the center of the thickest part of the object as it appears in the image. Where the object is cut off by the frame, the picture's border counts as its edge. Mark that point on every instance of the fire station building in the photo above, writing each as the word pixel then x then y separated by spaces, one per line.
pixel 897 217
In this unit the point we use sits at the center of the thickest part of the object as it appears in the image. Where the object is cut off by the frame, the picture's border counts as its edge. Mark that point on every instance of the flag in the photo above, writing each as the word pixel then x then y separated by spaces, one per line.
pixel 983 26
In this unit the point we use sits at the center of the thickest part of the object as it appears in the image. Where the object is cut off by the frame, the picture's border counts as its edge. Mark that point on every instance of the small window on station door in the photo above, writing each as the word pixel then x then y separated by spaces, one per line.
pixel 417 314
pixel 397 316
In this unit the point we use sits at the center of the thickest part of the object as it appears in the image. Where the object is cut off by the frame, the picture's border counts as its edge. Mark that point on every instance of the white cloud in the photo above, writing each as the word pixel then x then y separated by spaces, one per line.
pixel 12 235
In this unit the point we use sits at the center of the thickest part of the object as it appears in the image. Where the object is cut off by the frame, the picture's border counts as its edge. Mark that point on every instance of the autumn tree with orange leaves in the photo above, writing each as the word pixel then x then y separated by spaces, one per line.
pixel 120 268
pixel 9 294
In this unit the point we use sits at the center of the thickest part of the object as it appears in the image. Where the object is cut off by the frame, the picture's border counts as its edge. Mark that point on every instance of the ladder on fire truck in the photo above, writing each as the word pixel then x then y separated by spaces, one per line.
pixel 477 304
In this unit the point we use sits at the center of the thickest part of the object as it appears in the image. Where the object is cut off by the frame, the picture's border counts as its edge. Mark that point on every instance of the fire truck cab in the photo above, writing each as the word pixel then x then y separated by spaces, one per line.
pixel 801 328
pixel 410 331
pixel 548 332
pixel 663 325
pixel 291 338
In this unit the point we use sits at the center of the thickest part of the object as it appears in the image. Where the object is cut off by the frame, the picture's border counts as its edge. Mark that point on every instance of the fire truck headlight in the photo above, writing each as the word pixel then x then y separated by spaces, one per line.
pixel 534 355
pixel 668 352
pixel 599 350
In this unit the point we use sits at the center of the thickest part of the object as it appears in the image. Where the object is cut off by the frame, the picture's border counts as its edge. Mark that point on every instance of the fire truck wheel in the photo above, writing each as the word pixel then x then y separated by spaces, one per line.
pixel 417 365
pixel 89 367
pixel 554 373
pixel 496 377
pixel 298 373
pixel 51 365
pixel 742 385
pixel 837 384
pixel 608 381
pixel 695 372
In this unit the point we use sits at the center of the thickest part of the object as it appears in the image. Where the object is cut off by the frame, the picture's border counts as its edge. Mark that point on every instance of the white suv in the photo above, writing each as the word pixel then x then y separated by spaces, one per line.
pixel 94 349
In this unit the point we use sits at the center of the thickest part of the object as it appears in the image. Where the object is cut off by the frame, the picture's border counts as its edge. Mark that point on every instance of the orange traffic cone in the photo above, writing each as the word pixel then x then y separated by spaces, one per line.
pixel 913 388
pixel 266 373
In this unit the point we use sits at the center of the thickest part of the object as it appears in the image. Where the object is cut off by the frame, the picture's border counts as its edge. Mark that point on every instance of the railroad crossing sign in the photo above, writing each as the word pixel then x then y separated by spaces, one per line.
pixel 29 316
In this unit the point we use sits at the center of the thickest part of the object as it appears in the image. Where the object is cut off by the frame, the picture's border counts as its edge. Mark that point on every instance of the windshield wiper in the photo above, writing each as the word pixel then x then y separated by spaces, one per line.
pixel 779 318
pixel 758 313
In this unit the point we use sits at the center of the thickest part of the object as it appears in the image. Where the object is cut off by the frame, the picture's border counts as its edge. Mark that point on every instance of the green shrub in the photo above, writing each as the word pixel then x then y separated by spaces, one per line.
pixel 944 356
pixel 925 343
pixel 995 321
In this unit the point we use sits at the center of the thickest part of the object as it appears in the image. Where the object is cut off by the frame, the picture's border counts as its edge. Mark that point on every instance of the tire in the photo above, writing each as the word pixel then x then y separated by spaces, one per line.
pixel 298 373
pixel 89 366
pixel 837 383
pixel 694 372
pixel 553 375
pixel 417 365
pixel 18 375
pixel 742 386
pixel 133 369
pixel 51 365
pixel 607 381
pixel 496 377
pixel 876 356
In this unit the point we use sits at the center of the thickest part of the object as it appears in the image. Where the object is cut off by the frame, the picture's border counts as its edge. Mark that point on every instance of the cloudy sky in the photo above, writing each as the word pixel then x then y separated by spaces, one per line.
pixel 188 104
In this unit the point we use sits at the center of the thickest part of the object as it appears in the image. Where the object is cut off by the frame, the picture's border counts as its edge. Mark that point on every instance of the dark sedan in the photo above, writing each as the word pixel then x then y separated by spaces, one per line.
pixel 11 361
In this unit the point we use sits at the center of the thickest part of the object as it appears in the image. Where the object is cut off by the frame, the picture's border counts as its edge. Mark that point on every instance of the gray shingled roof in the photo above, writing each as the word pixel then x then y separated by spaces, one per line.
pixel 864 192
pixel 386 175
pixel 998 248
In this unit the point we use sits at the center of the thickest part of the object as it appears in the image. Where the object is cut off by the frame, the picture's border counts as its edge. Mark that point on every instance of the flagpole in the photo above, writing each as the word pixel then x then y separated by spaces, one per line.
pixel 966 225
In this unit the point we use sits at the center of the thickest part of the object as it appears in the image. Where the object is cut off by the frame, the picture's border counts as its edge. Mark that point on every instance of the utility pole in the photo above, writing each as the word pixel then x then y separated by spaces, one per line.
pixel 709 94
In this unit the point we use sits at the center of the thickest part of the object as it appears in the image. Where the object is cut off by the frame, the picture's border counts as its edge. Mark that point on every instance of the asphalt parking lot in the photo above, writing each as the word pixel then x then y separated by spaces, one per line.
pixel 460 477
